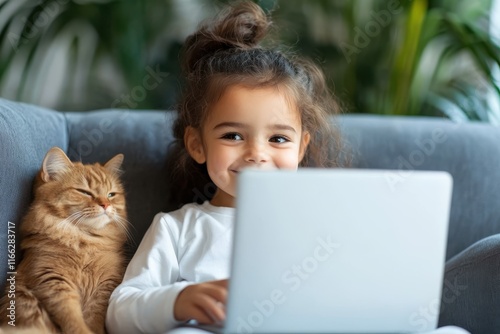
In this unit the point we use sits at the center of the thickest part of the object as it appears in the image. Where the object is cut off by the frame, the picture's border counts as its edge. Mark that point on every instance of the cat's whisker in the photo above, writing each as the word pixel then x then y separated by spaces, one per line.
pixel 69 218
pixel 74 216
pixel 74 220
pixel 66 223
pixel 82 218
pixel 125 225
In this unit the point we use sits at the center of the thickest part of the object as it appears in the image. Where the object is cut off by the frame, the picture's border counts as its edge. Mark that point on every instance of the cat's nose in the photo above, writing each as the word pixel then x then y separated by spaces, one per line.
pixel 103 203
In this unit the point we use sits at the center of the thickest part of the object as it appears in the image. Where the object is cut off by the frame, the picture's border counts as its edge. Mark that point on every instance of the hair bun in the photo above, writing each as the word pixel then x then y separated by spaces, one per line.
pixel 241 25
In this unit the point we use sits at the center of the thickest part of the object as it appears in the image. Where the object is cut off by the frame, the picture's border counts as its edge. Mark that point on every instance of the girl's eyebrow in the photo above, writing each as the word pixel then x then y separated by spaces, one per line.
pixel 230 125
pixel 243 126
pixel 282 127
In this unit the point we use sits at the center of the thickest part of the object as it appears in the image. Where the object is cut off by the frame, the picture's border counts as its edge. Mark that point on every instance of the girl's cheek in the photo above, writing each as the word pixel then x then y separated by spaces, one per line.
pixel 293 161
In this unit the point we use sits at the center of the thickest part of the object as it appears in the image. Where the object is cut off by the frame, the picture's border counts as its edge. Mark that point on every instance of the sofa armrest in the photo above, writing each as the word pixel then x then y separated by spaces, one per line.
pixel 471 290
pixel 26 133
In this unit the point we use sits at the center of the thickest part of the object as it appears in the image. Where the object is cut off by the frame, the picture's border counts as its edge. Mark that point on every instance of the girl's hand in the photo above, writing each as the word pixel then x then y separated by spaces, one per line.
pixel 203 302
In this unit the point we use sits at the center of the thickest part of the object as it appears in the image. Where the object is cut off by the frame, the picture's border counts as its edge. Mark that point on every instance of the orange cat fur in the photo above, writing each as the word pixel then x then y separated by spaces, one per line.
pixel 72 241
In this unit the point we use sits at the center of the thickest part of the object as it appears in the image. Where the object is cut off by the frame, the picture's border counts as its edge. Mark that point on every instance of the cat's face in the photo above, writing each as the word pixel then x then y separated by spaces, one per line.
pixel 90 196
pixel 86 196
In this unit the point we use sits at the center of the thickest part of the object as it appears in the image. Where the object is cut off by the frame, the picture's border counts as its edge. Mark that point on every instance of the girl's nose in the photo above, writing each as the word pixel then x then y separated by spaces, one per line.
pixel 256 153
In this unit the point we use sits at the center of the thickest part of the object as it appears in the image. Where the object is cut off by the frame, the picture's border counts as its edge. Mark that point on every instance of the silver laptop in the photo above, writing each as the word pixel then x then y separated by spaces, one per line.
pixel 338 251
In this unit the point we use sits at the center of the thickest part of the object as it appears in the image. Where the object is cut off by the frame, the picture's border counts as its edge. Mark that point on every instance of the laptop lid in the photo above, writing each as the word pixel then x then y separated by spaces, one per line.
pixel 338 251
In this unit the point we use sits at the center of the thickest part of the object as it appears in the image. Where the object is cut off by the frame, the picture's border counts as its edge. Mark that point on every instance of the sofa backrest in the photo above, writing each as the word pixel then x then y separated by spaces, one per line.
pixel 470 152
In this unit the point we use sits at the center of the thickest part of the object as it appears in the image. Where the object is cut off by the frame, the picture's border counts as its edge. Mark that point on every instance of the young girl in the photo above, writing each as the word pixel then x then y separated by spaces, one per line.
pixel 243 106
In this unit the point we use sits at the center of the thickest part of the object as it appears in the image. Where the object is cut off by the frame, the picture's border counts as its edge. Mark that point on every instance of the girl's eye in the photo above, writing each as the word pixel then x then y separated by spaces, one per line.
pixel 279 139
pixel 110 195
pixel 232 136
pixel 85 192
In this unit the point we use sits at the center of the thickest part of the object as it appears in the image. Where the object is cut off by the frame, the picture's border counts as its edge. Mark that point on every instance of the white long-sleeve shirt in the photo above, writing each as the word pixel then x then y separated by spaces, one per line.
pixel 183 247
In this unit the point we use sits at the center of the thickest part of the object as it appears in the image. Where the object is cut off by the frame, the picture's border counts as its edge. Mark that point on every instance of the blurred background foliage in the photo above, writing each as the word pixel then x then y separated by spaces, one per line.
pixel 405 57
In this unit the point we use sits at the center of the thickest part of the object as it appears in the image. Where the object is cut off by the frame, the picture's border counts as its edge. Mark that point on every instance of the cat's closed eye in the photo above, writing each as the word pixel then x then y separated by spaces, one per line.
pixel 85 192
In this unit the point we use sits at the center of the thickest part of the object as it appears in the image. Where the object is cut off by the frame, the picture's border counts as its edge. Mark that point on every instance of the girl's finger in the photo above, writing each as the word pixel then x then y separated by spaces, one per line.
pixel 218 293
pixel 212 308
pixel 223 283
pixel 199 314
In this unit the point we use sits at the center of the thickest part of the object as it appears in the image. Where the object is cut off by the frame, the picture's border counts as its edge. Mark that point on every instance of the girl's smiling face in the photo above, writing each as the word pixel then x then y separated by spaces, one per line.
pixel 247 128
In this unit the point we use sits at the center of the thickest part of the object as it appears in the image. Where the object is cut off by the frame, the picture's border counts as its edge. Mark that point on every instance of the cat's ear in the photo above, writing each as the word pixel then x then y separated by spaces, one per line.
pixel 114 164
pixel 55 162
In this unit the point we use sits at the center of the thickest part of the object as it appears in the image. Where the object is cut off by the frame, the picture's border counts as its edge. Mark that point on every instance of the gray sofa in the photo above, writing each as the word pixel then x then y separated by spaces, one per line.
pixel 470 152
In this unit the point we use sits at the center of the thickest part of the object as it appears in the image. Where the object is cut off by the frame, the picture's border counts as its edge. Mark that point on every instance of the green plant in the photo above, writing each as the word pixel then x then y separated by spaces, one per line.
pixel 81 55
pixel 418 57
pixel 456 59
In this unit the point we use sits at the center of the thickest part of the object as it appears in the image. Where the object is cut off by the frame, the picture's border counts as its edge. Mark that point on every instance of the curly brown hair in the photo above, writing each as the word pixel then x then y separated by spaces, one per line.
pixel 227 51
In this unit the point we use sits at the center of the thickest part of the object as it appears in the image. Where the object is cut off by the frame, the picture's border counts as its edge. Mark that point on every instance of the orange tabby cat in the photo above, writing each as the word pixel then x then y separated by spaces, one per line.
pixel 73 247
